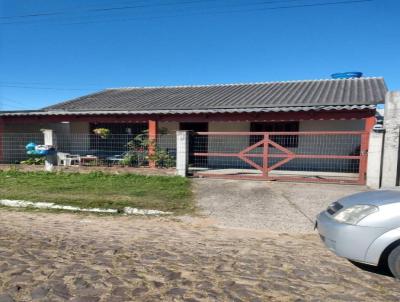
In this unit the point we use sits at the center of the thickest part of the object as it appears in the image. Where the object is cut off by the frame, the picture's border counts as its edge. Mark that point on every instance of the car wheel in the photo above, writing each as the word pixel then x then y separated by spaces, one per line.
pixel 394 261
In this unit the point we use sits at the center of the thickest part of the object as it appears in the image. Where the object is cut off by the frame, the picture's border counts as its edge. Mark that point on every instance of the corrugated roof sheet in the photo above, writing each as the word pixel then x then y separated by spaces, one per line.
pixel 274 96
pixel 197 111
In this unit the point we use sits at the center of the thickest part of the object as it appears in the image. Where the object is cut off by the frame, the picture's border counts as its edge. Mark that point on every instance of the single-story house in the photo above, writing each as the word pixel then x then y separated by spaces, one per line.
pixel 310 105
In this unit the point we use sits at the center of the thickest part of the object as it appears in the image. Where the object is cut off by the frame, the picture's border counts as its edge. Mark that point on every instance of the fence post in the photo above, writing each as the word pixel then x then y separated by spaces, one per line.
pixel 152 124
pixel 374 167
pixel 1 139
pixel 391 144
pixel 50 160
pixel 182 152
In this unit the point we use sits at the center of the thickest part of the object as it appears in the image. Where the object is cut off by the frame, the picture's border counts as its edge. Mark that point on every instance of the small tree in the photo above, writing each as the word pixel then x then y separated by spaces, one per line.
pixel 138 154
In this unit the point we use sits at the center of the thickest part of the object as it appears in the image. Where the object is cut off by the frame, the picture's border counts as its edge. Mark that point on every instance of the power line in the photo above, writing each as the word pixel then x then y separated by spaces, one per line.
pixel 45 88
pixel 11 105
pixel 213 12
pixel 18 83
pixel 53 13
pixel 12 100
pixel 225 12
pixel 113 8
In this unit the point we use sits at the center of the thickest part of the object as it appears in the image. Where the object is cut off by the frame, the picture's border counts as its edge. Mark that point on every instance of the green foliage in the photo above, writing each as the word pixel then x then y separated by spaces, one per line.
pixel 33 161
pixel 102 132
pixel 97 189
pixel 138 155
pixel 132 159
pixel 163 159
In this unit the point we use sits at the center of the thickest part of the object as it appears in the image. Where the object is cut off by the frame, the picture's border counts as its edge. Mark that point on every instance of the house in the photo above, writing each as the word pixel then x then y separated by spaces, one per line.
pixel 311 105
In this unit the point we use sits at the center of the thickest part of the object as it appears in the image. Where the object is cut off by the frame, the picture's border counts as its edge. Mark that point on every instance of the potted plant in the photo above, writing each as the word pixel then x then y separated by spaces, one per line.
pixel 102 132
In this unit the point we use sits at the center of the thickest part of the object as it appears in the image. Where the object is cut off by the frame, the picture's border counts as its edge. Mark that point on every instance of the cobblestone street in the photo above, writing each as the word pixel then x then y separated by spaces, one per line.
pixel 58 257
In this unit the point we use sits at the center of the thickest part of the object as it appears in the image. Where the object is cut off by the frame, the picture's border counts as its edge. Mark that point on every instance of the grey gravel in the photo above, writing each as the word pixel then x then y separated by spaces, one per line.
pixel 275 206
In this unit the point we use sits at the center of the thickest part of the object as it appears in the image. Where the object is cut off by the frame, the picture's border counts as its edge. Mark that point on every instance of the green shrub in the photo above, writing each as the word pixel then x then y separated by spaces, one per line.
pixel 33 161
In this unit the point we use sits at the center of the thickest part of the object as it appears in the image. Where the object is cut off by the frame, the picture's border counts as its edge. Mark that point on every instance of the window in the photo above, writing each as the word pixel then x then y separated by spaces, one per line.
pixel 116 141
pixel 120 128
pixel 287 141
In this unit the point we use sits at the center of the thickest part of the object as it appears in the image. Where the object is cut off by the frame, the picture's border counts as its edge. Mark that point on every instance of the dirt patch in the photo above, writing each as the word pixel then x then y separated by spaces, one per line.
pixel 274 206
pixel 89 169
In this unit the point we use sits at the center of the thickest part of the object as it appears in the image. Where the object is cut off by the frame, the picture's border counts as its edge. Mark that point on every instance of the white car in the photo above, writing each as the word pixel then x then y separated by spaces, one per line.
pixel 364 228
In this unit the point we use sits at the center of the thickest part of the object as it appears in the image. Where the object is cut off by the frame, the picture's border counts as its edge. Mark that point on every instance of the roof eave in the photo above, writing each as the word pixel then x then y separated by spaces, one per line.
pixel 191 111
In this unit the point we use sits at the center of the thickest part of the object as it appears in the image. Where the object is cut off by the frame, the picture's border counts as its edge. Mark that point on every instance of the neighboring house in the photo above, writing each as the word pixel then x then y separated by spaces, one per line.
pixel 312 105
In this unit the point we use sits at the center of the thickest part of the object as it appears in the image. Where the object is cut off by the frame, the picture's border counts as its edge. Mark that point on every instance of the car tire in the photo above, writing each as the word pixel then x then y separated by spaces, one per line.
pixel 394 262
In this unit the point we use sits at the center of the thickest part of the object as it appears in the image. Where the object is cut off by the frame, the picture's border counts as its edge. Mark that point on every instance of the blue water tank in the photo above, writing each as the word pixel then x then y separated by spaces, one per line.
pixel 347 75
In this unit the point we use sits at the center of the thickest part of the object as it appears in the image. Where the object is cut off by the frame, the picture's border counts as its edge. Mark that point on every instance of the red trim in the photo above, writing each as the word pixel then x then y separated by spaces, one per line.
pixel 152 138
pixel 280 178
pixel 220 117
pixel 265 155
pixel 286 155
pixel 284 133
pixel 278 155
pixel 369 123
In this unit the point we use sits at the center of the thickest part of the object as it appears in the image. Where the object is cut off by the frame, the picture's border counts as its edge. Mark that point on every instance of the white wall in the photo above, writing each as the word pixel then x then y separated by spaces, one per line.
pixel 227 144
pixel 35 127
pixel 328 144
pixel 337 125
pixel 75 140
pixel 168 127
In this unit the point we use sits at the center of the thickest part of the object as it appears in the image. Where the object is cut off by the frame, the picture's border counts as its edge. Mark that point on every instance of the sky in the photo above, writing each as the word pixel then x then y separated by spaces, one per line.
pixel 51 51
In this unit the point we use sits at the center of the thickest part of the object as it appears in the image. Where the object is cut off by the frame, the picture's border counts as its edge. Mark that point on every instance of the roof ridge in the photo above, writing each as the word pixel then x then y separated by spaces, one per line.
pixel 240 84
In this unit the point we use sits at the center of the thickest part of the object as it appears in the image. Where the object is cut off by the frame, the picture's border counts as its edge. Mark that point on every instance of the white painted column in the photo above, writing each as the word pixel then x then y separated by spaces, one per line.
pixel 391 144
pixel 50 160
pixel 182 153
pixel 375 153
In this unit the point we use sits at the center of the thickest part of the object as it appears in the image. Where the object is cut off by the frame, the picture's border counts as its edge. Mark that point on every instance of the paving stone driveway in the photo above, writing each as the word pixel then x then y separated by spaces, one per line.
pixel 66 257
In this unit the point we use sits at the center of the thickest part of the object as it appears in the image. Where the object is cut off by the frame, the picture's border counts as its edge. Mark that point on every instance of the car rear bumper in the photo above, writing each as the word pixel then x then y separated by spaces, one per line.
pixel 346 240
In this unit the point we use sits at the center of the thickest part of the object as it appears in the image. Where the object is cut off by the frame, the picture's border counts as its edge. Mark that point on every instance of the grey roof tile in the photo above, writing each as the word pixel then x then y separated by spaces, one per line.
pixel 342 92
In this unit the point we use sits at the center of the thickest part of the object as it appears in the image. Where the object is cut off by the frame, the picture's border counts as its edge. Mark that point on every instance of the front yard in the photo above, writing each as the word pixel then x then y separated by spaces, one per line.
pixel 99 190
pixel 229 253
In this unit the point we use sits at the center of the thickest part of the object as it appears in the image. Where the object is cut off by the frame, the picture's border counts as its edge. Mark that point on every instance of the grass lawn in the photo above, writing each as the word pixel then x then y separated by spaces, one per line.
pixel 102 190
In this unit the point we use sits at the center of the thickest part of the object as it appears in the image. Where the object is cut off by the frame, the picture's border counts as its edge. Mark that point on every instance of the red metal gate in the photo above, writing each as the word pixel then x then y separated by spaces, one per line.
pixel 318 156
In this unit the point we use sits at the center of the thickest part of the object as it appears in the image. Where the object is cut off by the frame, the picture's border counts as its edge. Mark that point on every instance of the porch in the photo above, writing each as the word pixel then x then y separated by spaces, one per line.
pixel 74 135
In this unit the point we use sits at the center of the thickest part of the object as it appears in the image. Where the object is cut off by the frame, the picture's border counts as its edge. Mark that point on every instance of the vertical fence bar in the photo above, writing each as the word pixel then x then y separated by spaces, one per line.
pixel 363 158
pixel 1 139
pixel 265 155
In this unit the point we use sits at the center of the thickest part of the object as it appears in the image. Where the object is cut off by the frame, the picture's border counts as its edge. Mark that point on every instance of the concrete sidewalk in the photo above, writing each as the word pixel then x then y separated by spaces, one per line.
pixel 276 206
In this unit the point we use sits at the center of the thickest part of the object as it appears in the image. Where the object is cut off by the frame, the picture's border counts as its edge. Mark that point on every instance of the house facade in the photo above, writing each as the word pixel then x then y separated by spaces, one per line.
pixel 297 106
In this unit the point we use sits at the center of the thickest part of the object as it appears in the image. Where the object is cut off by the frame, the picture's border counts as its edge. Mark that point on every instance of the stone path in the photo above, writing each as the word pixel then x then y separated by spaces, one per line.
pixel 67 257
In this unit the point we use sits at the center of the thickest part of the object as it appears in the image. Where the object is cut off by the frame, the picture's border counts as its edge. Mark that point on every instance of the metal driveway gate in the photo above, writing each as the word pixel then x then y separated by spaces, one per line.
pixel 320 156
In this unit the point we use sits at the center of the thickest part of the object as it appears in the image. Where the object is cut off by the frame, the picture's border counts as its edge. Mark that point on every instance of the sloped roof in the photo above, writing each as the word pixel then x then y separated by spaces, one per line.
pixel 286 96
